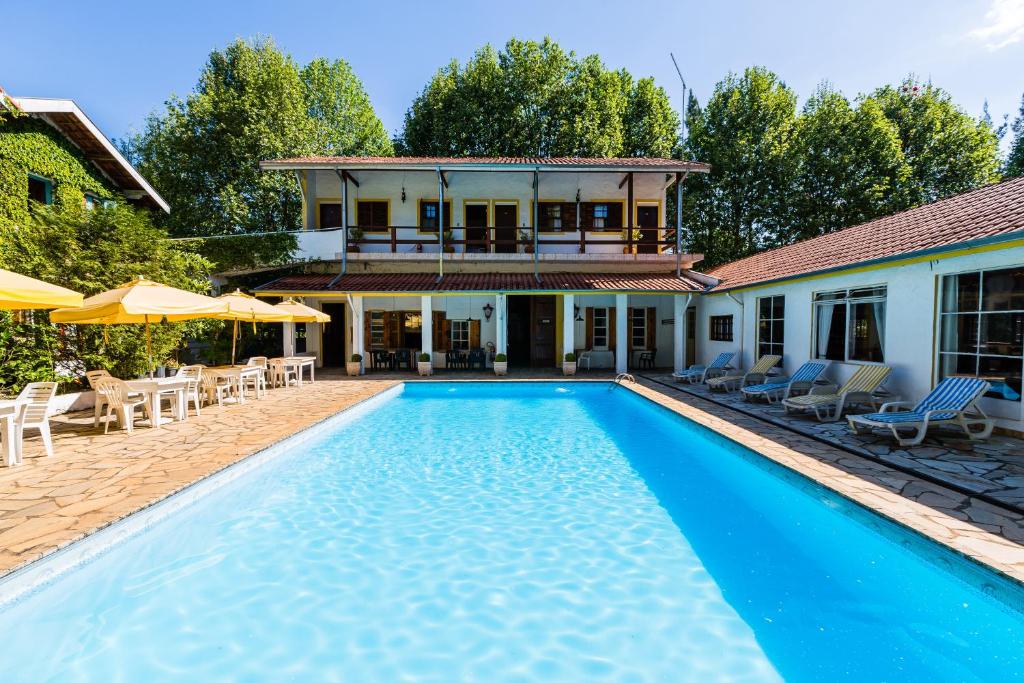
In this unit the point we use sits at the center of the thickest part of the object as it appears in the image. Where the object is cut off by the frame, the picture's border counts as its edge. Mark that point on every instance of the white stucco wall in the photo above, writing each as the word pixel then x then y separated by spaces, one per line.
pixel 911 337
pixel 474 187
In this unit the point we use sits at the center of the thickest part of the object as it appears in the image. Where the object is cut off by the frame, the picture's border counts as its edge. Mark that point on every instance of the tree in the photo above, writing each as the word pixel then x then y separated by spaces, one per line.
pixel 746 134
pixel 536 99
pixel 850 166
pixel 89 252
pixel 947 150
pixel 1015 159
pixel 252 103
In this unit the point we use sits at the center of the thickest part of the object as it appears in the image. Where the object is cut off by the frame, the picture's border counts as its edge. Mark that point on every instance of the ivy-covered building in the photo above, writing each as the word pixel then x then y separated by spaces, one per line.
pixel 52 153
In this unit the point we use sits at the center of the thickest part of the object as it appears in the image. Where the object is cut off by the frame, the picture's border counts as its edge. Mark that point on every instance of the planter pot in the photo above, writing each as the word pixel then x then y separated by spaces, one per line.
pixel 569 369
pixel 354 369
pixel 426 368
pixel 501 369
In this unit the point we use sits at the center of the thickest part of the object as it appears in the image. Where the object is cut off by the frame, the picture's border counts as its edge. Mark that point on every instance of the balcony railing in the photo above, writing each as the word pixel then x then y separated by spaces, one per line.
pixel 407 238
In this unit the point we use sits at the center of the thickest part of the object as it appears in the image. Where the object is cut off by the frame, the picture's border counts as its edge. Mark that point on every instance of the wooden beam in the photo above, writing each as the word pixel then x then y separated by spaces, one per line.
pixel 350 178
pixel 624 179
pixel 444 180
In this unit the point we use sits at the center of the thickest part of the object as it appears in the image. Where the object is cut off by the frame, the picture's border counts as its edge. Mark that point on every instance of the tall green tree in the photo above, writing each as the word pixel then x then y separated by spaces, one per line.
pixel 948 151
pixel 849 165
pixel 252 102
pixel 746 133
pixel 1015 159
pixel 536 99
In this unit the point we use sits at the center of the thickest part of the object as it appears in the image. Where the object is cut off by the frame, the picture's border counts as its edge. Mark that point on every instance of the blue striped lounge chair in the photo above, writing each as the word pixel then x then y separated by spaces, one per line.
pixel 784 387
pixel 951 402
pixel 700 373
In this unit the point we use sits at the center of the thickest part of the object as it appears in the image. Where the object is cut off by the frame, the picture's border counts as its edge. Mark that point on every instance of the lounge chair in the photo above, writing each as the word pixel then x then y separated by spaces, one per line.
pixel 953 401
pixel 36 413
pixel 701 373
pixel 119 401
pixel 828 401
pixel 784 387
pixel 756 375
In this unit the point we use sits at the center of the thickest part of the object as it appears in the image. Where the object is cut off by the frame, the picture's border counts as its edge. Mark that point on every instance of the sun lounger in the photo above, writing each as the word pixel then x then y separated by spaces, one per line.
pixel 828 402
pixel 700 373
pixel 755 375
pixel 953 401
pixel 784 387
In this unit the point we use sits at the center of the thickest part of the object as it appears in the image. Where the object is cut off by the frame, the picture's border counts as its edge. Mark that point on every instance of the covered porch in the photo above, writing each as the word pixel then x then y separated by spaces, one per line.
pixel 610 322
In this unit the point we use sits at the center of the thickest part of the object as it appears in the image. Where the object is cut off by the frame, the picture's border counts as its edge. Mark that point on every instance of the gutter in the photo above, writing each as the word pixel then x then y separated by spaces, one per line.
pixel 903 256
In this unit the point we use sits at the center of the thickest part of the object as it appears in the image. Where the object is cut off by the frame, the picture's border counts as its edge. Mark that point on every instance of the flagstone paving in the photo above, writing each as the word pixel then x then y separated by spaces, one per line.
pixel 992 470
pixel 96 479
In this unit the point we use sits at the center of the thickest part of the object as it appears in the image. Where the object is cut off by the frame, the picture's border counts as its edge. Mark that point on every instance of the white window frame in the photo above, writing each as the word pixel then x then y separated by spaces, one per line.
pixel 642 346
pixel 606 327
pixel 459 335
pixel 847 301
pixel 377 331
pixel 771 320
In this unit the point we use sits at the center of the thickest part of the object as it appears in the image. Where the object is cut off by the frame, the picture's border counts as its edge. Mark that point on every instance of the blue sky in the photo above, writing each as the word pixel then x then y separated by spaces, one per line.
pixel 121 60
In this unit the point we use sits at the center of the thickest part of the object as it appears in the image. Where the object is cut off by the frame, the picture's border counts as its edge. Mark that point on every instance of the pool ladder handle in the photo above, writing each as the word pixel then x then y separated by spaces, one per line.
pixel 620 378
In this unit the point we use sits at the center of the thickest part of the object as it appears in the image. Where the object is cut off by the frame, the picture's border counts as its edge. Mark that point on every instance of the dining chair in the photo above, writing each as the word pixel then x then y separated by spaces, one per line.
pixel 194 373
pixel 120 401
pixel 36 412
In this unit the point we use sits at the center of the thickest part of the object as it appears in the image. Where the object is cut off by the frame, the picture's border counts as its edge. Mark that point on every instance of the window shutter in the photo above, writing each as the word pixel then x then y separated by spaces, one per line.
pixel 474 334
pixel 587 215
pixel 652 329
pixel 615 215
pixel 366 332
pixel 589 315
pixel 391 330
pixel 611 328
pixel 438 331
pixel 629 326
pixel 364 214
pixel 569 217
pixel 446 334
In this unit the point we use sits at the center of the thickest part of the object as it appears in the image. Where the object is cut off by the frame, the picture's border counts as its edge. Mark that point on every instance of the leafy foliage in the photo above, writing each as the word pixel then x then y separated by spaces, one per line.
pixel 252 102
pixel 1015 159
pixel 778 176
pixel 91 251
pixel 536 99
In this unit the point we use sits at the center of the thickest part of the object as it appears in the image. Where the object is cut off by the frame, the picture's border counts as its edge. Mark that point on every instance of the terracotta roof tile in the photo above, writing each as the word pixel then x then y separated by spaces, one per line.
pixel 990 211
pixel 486 282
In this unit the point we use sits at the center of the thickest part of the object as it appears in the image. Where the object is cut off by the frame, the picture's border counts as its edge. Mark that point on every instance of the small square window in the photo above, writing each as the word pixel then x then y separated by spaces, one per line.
pixel 40 190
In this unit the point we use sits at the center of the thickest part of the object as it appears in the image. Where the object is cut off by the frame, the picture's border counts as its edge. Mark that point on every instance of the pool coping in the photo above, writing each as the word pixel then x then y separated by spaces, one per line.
pixel 821 465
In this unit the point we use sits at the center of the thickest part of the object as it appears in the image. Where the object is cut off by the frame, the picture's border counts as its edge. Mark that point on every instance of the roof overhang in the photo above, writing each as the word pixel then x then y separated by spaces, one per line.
pixel 417 284
pixel 76 126
pixel 355 164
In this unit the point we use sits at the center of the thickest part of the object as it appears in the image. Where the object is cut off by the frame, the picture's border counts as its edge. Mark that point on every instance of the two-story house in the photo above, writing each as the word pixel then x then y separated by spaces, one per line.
pixel 531 257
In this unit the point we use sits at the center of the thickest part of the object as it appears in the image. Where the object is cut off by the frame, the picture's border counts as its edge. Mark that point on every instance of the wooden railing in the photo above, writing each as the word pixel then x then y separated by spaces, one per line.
pixel 514 240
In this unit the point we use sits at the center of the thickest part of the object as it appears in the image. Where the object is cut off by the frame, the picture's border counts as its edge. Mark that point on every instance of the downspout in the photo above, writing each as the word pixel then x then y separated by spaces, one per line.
pixel 440 223
pixel 743 321
pixel 344 226
pixel 536 222
pixel 680 177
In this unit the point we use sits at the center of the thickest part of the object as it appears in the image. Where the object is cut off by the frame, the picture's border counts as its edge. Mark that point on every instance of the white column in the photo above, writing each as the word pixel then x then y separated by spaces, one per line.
pixel 288 339
pixel 313 334
pixel 427 329
pixel 568 325
pixel 679 303
pixel 621 333
pixel 501 311
pixel 356 320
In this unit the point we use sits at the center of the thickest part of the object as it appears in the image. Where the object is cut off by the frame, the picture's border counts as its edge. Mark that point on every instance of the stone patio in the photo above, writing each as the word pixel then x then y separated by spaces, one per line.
pixel 96 479
pixel 991 470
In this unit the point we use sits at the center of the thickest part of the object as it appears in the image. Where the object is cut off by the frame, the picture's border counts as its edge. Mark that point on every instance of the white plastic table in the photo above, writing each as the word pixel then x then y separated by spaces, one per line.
pixel 153 388
pixel 300 362
pixel 9 412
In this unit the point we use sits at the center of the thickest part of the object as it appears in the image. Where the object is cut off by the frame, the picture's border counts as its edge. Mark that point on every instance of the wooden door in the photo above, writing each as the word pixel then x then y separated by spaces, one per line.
pixel 506 218
pixel 518 331
pixel 476 227
pixel 542 324
pixel 647 217
pixel 335 336
pixel 691 336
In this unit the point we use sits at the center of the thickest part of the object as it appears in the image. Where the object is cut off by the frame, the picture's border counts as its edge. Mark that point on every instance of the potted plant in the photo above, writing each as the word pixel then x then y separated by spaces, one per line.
pixel 569 365
pixel 424 365
pixel 355 236
pixel 525 239
pixel 449 248
pixel 500 364
pixel 354 366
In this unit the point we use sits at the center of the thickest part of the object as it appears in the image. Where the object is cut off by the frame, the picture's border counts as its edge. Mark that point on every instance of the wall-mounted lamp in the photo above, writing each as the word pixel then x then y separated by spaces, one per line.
pixel 576 314
pixel 488 310
pixel 577 195
pixel 403 194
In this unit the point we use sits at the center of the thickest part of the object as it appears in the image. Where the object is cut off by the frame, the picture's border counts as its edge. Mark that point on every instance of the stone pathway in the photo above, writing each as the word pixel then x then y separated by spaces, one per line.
pixel 992 470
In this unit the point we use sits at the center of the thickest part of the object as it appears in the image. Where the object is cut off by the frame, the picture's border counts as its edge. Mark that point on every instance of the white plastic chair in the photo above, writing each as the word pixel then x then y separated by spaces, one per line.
pixel 194 374
pixel 257 382
pixel 216 387
pixel 280 373
pixel 36 413
pixel 120 402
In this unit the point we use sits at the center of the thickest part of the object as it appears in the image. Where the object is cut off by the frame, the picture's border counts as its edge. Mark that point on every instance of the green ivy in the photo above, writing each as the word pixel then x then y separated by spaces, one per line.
pixel 242 252
pixel 30 145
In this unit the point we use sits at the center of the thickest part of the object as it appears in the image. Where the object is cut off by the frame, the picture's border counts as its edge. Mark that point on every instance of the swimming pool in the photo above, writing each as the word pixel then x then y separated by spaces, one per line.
pixel 514 531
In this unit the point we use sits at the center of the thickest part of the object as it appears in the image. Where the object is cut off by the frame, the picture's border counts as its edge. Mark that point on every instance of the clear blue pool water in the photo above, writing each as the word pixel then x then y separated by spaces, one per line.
pixel 512 532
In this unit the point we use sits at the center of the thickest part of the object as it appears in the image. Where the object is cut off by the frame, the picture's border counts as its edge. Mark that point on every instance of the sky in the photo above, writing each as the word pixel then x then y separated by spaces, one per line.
pixel 121 60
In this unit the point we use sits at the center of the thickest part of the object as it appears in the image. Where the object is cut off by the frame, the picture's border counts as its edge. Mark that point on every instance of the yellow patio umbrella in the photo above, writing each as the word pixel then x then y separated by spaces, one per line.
pixel 241 306
pixel 141 301
pixel 20 292
pixel 302 313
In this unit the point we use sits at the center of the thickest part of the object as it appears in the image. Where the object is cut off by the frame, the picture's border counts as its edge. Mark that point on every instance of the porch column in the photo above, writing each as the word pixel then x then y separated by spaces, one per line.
pixel 356 319
pixel 427 328
pixel 621 333
pixel 568 326
pixel 501 324
pixel 288 339
pixel 679 304
pixel 313 334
